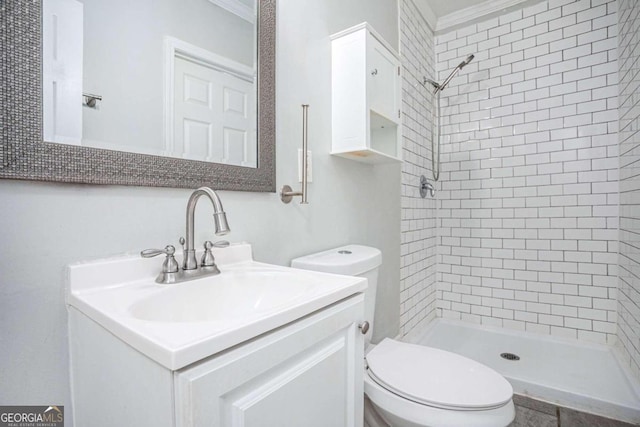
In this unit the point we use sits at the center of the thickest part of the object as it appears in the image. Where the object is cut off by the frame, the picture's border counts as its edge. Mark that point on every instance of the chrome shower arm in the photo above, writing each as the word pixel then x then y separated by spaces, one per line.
pixel 454 72
pixel 426 80
pixel 448 79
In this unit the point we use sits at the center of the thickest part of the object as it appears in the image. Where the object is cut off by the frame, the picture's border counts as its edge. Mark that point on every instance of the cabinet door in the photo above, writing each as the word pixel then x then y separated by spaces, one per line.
pixel 383 77
pixel 306 374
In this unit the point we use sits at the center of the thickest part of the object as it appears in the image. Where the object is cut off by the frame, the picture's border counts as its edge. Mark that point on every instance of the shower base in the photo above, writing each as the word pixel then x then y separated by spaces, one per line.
pixel 545 370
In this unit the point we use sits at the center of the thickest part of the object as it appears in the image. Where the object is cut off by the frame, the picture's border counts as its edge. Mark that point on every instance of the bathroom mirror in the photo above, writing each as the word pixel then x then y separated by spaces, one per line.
pixel 27 155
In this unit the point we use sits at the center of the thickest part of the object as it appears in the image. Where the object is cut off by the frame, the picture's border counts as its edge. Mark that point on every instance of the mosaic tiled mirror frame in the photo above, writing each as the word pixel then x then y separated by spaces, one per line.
pixel 25 155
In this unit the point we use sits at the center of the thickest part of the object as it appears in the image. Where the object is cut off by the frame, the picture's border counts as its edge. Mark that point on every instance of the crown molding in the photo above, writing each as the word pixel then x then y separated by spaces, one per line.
pixel 472 13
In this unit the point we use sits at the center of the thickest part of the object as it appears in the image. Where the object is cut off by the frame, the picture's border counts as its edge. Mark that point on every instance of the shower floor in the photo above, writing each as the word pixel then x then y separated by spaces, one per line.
pixel 584 376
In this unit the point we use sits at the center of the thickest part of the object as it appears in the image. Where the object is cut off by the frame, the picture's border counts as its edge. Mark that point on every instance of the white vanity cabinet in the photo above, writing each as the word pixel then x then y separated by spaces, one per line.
pixel 366 96
pixel 305 373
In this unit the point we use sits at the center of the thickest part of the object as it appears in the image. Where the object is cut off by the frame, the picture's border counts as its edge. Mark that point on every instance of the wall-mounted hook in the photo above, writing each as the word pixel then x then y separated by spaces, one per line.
pixel 90 100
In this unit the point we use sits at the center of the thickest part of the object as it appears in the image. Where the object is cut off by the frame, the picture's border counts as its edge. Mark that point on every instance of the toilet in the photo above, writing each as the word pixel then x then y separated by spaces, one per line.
pixel 408 385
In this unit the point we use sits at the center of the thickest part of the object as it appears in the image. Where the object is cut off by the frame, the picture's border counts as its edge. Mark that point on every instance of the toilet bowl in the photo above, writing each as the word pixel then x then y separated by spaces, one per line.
pixel 409 385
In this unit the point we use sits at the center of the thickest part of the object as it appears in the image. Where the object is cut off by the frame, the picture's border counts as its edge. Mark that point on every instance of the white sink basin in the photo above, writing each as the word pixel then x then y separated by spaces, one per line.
pixel 179 324
pixel 243 293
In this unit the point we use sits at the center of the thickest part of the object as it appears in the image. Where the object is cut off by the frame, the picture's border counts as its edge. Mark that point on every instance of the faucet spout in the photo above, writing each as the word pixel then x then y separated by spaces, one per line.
pixel 219 218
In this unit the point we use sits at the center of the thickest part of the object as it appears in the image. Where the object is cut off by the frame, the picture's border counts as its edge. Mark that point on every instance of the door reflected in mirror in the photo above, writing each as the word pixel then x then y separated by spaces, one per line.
pixel 173 78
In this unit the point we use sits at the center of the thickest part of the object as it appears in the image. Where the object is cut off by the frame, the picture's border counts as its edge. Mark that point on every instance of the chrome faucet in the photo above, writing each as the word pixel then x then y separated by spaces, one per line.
pixel 170 271
pixel 219 219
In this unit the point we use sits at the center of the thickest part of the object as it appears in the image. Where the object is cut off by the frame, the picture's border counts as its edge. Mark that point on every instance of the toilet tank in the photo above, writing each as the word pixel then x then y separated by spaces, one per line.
pixel 350 260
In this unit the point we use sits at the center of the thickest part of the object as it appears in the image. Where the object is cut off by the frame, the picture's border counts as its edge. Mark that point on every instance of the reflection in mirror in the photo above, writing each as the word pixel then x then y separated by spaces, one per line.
pixel 161 77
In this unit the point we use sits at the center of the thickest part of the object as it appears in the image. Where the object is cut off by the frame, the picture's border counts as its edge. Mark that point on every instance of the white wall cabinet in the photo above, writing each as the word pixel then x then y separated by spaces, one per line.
pixel 366 97
pixel 307 373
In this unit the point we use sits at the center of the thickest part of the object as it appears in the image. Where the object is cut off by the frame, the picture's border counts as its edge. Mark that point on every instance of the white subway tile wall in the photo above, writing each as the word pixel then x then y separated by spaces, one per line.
pixel 418 244
pixel 629 138
pixel 527 215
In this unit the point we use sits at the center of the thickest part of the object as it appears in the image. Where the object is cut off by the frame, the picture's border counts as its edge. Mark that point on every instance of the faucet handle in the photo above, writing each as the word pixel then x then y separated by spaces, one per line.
pixel 208 259
pixel 221 244
pixel 170 265
pixel 150 253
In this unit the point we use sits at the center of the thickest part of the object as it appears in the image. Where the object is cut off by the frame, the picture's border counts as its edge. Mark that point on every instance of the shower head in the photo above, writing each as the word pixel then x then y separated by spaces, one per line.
pixel 465 62
pixel 453 73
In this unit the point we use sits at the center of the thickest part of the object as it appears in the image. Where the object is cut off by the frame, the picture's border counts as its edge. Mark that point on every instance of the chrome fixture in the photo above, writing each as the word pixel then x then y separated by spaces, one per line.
pixel 426 80
pixel 221 244
pixel 435 135
pixel 439 87
pixel 364 327
pixel 219 219
pixel 426 186
pixel 287 193
pixel 90 99
pixel 208 259
pixel 170 267
pixel 435 115
pixel 453 73
pixel 171 273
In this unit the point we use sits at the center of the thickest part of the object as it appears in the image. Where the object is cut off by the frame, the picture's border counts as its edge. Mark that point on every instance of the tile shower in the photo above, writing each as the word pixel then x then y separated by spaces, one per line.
pixel 528 212
pixel 534 224
pixel 418 218
pixel 629 138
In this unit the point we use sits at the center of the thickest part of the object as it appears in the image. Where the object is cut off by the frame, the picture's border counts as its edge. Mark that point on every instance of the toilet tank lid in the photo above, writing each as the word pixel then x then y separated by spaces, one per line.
pixel 350 260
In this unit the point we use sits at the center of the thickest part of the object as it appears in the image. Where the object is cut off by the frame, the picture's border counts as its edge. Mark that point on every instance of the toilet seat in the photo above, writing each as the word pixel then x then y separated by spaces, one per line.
pixel 436 378
pixel 400 412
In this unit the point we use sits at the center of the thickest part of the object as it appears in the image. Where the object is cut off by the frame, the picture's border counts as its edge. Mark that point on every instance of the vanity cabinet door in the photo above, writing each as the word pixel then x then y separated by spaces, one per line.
pixel 306 374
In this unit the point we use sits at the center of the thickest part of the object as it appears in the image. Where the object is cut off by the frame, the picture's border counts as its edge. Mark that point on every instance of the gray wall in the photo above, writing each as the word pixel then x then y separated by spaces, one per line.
pixel 46 226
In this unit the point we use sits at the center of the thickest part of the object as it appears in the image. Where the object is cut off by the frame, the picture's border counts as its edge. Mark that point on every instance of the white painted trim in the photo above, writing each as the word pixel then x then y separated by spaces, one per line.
pixel 237 8
pixel 373 32
pixel 350 30
pixel 177 48
pixel 471 13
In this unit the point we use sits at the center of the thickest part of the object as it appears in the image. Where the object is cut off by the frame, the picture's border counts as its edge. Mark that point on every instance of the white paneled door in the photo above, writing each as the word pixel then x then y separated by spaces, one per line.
pixel 213 115
pixel 62 71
